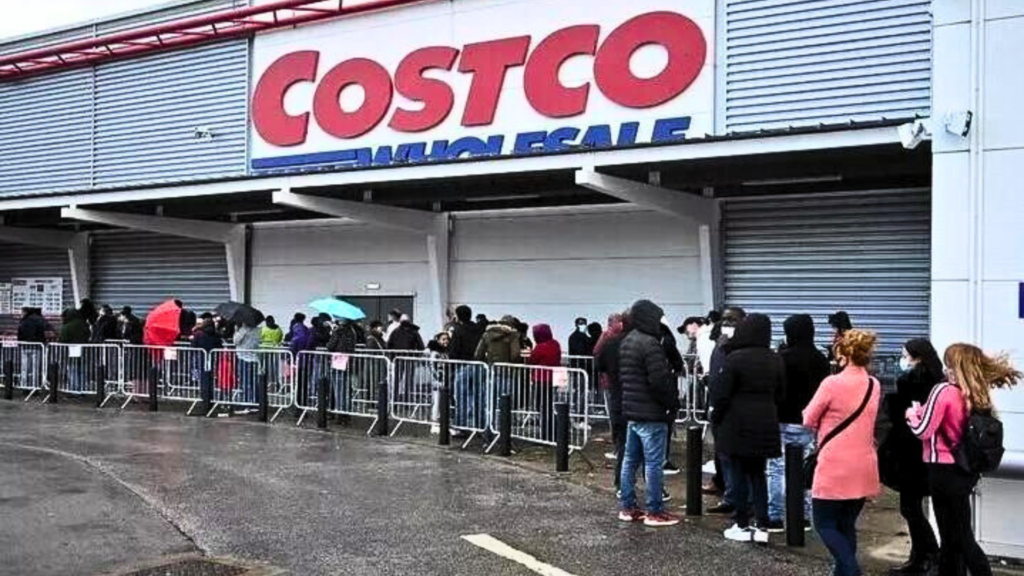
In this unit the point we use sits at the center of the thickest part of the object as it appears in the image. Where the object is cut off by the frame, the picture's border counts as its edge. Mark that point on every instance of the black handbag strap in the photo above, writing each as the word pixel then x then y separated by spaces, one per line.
pixel 853 417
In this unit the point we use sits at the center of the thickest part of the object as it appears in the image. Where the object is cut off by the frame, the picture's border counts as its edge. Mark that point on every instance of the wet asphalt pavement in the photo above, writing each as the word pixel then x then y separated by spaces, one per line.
pixel 88 492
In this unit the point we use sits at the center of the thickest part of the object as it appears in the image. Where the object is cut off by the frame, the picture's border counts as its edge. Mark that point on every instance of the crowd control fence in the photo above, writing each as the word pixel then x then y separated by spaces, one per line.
pixel 535 390
pixel 28 362
pixel 353 383
pixel 420 384
pixel 85 369
pixel 177 373
pixel 241 378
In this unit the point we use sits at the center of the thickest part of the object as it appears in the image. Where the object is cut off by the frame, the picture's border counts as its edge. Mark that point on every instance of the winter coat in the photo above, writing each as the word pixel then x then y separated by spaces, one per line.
pixel 131 330
pixel 406 337
pixel 905 469
pixel 668 342
pixel 32 328
pixel 73 330
pixel 465 339
pixel 343 340
pixel 649 392
pixel 805 366
pixel 207 339
pixel 271 337
pixel 246 340
pixel 499 344
pixel 104 329
pixel 547 351
pixel 375 342
pixel 580 344
pixel 302 339
pixel 751 385
pixel 607 363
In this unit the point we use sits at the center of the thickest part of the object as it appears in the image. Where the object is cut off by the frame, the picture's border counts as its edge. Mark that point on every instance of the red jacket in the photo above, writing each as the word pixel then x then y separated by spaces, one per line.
pixel 546 351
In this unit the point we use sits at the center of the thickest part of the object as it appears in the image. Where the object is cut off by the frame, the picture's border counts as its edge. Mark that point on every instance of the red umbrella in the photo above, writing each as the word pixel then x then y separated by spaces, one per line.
pixel 163 325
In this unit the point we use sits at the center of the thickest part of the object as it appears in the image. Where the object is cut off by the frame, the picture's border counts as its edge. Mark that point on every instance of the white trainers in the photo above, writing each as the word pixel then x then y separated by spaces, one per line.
pixel 748 534
pixel 435 430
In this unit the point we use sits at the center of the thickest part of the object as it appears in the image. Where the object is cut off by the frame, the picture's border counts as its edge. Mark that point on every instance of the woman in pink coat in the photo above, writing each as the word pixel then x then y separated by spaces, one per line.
pixel 847 473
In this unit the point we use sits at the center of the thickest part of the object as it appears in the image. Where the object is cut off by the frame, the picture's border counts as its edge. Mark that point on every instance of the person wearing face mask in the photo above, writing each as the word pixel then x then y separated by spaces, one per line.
pixel 580 343
pixel 731 318
pixel 899 456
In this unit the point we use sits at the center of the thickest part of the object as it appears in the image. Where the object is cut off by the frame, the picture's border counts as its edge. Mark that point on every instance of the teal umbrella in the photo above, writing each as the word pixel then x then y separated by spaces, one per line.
pixel 338 308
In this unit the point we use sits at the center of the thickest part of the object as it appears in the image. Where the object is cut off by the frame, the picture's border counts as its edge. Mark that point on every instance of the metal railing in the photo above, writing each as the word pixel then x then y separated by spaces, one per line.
pixel 534 391
pixel 178 373
pixel 416 394
pixel 238 376
pixel 353 383
pixel 28 360
pixel 82 369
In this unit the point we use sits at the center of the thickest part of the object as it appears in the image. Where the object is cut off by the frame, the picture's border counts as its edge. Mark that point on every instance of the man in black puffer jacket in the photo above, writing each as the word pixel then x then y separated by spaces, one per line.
pixel 648 396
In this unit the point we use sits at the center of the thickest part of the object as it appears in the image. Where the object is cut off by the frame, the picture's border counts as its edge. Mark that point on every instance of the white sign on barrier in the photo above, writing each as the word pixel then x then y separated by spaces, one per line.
pixel 170 354
pixel 560 378
pixel 339 362
pixel 10 344
pixel 74 351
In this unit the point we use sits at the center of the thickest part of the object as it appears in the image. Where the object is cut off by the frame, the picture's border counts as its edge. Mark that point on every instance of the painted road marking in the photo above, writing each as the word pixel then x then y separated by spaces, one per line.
pixel 493 545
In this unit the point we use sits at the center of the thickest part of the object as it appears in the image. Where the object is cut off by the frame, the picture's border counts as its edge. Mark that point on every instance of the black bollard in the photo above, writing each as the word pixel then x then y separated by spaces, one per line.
pixel 794 495
pixel 52 373
pixel 322 392
pixel 263 382
pixel 444 437
pixel 694 473
pixel 9 380
pixel 101 385
pixel 382 410
pixel 205 392
pixel 561 437
pixel 505 424
pixel 154 381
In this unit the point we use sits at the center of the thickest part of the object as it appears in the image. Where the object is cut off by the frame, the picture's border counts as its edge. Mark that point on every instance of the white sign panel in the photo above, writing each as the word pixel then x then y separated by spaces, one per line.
pixel 44 293
pixel 5 299
pixel 477 78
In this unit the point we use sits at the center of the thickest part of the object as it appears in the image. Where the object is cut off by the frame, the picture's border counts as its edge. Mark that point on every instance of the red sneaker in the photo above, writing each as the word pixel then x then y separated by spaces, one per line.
pixel 634 515
pixel 661 519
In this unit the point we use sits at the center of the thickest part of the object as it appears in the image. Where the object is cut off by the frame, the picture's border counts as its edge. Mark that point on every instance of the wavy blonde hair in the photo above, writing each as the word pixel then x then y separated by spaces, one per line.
pixel 976 374
pixel 857 346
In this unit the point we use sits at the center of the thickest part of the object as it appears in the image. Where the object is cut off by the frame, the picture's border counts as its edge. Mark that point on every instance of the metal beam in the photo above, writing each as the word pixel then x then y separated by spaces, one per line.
pixel 672 202
pixel 375 214
pixel 232 236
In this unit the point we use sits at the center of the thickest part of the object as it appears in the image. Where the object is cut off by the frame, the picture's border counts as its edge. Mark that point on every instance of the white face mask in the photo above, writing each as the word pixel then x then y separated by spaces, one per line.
pixel 582 328
pixel 728 331
pixel 905 364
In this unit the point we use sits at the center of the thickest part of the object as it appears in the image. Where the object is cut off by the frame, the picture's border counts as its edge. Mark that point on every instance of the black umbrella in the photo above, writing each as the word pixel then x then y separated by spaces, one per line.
pixel 240 314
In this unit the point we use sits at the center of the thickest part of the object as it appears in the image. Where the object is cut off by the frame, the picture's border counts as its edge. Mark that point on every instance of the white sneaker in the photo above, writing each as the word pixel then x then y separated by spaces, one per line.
pixel 435 430
pixel 737 534
pixel 610 456
pixel 760 536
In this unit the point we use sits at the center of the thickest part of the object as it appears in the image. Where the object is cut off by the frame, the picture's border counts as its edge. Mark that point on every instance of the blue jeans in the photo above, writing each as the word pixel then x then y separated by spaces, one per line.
pixel 469 390
pixel 646 441
pixel 836 523
pixel 791 434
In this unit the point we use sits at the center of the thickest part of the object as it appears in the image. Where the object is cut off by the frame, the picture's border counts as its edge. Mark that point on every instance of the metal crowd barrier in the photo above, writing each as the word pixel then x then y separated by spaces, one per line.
pixel 354 382
pixel 393 354
pixel 534 391
pixel 83 368
pixel 179 373
pixel 597 407
pixel 416 393
pixel 29 361
pixel 237 379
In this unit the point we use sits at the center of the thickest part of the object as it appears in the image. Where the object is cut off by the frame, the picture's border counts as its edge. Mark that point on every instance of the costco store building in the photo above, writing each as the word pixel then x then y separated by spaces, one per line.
pixel 542 158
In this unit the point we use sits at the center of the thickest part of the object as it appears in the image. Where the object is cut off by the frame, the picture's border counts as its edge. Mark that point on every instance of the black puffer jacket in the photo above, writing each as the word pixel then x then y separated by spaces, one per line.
pixel 343 339
pixel 805 365
pixel 649 392
pixel 751 385
pixel 406 337
pixel 465 339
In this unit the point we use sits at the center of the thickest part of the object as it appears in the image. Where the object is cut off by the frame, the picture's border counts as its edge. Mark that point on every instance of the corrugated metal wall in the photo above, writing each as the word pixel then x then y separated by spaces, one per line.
pixel 142 269
pixel 20 261
pixel 129 122
pixel 804 62
pixel 866 253
pixel 147 111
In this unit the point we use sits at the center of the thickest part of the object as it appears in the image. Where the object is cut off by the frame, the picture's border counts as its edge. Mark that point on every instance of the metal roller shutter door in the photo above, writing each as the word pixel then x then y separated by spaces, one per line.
pixel 142 269
pixel 22 261
pixel 866 253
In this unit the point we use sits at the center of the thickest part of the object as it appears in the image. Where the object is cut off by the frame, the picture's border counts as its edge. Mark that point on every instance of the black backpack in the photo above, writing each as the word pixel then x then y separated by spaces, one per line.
pixel 981 448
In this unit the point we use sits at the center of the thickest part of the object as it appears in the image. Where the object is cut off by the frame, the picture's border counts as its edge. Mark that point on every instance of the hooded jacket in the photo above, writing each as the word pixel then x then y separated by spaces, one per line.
pixel 649 392
pixel 805 366
pixel 750 387
pixel 343 340
pixel 547 351
pixel 32 328
pixel 406 337
pixel 607 364
pixel 302 339
pixel 499 344
pixel 74 329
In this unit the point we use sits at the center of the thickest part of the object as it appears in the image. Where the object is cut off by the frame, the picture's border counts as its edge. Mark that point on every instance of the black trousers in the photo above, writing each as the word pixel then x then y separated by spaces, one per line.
pixel 619 438
pixel 951 496
pixel 922 538
pixel 749 473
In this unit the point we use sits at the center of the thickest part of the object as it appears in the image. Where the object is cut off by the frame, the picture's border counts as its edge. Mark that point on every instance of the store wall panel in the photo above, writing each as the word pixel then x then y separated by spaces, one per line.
pixel 148 111
pixel 23 261
pixel 805 62
pixel 294 264
pixel 551 266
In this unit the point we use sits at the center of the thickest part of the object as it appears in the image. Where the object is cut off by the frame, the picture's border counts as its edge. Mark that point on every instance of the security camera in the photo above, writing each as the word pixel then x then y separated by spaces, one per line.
pixel 913 133
pixel 959 123
pixel 202 133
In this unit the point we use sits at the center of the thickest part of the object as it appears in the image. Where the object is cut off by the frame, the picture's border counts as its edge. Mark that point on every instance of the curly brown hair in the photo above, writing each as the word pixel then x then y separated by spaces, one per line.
pixel 857 346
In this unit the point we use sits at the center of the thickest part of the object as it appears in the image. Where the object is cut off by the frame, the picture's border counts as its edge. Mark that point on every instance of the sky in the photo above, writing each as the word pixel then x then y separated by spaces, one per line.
pixel 28 16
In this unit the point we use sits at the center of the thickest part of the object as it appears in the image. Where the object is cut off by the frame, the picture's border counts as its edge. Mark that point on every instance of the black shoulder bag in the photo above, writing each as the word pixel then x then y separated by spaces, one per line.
pixel 811 461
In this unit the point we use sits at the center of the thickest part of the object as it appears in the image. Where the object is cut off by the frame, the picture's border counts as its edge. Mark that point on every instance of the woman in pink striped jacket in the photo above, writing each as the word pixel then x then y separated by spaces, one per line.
pixel 940 425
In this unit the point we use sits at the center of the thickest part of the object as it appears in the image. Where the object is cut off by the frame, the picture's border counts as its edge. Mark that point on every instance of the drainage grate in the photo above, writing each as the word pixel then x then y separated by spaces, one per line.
pixel 192 567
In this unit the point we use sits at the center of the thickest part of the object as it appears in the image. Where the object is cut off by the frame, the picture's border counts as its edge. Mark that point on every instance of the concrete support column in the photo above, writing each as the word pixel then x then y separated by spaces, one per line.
pixel 439 253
